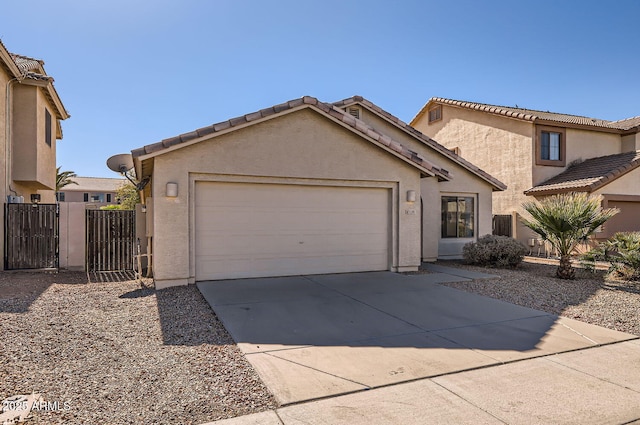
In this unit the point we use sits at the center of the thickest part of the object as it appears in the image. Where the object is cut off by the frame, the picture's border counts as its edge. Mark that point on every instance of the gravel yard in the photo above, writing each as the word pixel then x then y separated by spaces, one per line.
pixel 119 354
pixel 590 298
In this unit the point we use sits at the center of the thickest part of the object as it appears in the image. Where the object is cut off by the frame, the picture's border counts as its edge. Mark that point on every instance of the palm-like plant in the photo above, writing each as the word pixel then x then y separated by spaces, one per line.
pixel 63 178
pixel 566 220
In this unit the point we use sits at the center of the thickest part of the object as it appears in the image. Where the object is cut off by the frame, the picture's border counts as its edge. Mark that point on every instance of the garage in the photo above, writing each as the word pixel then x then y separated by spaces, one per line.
pixel 264 229
pixel 299 188
pixel 627 220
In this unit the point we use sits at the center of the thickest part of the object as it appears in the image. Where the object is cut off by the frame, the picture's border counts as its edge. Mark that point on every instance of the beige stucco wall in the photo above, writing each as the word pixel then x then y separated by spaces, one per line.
pixel 628 184
pixel 463 183
pixel 581 145
pixel 298 145
pixel 502 147
pixel 631 142
pixel 33 161
pixel 72 242
pixel 4 80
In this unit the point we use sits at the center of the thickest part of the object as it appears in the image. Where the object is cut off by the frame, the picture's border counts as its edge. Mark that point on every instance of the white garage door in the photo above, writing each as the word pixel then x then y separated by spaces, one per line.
pixel 252 230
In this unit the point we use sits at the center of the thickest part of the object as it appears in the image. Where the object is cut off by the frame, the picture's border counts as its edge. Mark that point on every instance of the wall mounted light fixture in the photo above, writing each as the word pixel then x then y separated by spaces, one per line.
pixel 411 196
pixel 172 190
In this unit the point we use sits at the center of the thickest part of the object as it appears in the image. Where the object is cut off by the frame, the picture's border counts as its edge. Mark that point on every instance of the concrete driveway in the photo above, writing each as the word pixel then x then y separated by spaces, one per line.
pixel 312 337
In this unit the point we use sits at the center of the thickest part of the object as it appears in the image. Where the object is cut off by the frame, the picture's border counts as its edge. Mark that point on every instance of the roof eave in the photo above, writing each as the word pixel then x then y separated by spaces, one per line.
pixel 8 61
pixel 172 144
pixel 497 186
pixel 552 123
pixel 420 112
pixel 63 114
pixel 519 116
pixel 632 130
pixel 51 94
pixel 548 192
pixel 479 107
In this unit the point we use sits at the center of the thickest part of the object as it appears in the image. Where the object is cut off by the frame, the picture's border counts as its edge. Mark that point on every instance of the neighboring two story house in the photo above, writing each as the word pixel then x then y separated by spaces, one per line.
pixel 30 116
pixel 96 192
pixel 540 153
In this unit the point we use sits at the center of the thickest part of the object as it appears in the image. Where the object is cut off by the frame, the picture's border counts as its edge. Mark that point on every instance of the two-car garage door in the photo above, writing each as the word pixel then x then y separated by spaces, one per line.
pixel 255 229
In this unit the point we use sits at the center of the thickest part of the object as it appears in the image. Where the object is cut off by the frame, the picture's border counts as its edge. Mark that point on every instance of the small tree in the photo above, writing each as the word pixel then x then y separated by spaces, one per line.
pixel 566 220
pixel 622 252
pixel 128 196
pixel 64 178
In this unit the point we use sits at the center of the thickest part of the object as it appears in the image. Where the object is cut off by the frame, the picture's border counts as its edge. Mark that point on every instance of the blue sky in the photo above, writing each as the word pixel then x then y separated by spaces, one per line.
pixel 133 72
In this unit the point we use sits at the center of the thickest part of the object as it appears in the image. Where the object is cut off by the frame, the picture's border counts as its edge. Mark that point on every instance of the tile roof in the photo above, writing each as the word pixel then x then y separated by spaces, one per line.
pixel 31 68
pixel 326 108
pixel 28 70
pixel 534 115
pixel 94 184
pixel 589 175
pixel 628 123
pixel 424 138
pixel 26 63
pixel 7 61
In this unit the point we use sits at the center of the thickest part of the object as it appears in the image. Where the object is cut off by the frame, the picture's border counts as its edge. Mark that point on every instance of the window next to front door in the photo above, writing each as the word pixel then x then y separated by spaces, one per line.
pixel 550 146
pixel 458 216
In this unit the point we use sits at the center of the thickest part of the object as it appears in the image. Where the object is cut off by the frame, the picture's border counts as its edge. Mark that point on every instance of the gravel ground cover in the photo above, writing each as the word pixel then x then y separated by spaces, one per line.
pixel 591 298
pixel 116 353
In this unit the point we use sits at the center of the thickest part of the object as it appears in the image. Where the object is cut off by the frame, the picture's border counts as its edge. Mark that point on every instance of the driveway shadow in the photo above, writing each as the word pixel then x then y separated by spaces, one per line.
pixel 377 309
pixel 315 336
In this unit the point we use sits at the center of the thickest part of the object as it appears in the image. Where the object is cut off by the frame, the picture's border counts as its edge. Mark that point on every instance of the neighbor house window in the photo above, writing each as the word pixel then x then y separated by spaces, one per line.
pixel 60 196
pixel 86 197
pixel 435 113
pixel 97 197
pixel 108 197
pixel 458 217
pixel 47 127
pixel 551 146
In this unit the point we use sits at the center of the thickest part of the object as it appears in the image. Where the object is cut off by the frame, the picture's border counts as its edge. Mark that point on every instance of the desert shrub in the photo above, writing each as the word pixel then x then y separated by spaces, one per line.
pixel 622 251
pixel 495 251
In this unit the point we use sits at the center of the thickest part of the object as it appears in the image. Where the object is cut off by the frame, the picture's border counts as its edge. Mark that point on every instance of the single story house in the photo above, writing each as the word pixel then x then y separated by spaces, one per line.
pixel 307 187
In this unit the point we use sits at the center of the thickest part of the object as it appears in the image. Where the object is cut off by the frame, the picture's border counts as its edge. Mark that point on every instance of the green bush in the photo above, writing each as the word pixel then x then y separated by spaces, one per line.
pixel 622 251
pixel 495 251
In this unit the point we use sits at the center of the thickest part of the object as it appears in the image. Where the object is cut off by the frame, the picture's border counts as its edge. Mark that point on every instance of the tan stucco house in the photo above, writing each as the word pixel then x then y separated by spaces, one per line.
pixel 30 116
pixel 540 153
pixel 95 192
pixel 307 187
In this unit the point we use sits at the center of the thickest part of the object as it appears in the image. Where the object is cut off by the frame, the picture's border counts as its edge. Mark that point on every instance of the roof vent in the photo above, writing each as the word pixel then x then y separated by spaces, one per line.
pixel 354 111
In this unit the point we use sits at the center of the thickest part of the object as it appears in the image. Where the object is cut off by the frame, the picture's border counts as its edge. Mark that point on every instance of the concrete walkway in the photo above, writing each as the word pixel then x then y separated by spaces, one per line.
pixel 314 337
pixel 593 386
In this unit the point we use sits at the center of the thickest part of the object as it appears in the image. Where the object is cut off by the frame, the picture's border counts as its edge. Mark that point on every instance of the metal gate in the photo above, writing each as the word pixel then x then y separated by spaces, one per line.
pixel 110 240
pixel 31 236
